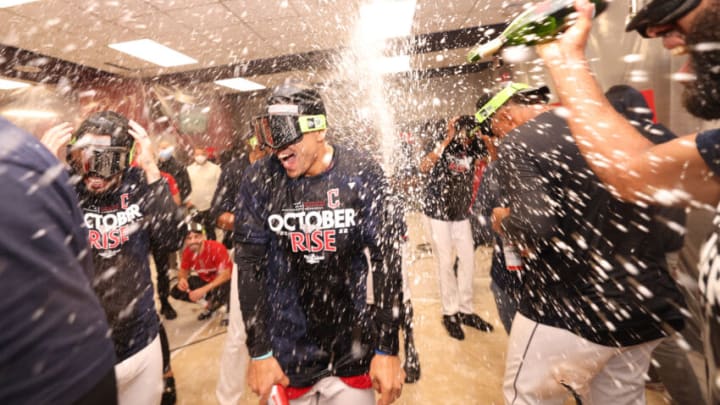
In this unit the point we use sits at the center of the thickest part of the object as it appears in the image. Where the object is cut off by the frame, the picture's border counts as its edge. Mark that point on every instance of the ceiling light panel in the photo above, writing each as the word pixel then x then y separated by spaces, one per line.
pixel 153 52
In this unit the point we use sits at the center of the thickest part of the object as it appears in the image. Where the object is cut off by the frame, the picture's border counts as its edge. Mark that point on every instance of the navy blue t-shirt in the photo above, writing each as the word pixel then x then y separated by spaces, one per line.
pixel 313 233
pixel 54 340
pixel 122 223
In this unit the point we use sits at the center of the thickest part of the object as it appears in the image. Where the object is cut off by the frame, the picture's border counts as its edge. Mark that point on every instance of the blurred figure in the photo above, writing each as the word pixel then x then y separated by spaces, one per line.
pixel 204 177
pixel 681 172
pixel 126 208
pixel 177 177
pixel 210 262
pixel 167 163
pixel 246 153
pixel 54 338
pixel 449 166
pixel 235 357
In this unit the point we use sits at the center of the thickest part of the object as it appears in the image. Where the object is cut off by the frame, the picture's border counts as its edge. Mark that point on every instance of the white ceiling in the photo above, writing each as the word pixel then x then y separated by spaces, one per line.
pixel 219 32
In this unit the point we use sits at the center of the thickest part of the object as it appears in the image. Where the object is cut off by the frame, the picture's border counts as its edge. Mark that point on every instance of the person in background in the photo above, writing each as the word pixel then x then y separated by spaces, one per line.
pixel 449 165
pixel 672 364
pixel 54 337
pixel 303 222
pixel 126 208
pixel 210 262
pixel 235 357
pixel 169 164
pixel 204 177
pixel 176 173
pixel 247 152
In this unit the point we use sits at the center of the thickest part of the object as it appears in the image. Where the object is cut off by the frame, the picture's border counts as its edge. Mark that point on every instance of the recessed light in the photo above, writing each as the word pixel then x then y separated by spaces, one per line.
pixel 153 52
pixel 8 84
pixel 240 84
pixel 13 3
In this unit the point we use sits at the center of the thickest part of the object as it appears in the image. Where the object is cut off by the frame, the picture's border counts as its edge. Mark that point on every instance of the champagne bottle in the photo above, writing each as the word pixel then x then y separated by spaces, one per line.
pixel 539 23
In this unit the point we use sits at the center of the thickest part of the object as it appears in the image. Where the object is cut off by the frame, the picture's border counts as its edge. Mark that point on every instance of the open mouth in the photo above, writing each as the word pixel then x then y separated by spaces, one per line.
pixel 95 182
pixel 287 158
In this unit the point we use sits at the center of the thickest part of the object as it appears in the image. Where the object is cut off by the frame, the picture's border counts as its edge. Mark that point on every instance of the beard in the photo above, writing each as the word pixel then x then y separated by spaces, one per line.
pixel 702 97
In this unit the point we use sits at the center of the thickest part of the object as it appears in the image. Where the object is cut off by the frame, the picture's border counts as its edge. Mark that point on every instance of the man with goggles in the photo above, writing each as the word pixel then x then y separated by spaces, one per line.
pixel 303 221
pixel 125 208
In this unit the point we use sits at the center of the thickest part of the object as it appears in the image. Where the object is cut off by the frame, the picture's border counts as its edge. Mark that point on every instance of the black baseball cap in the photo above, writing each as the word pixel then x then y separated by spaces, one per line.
pixel 659 12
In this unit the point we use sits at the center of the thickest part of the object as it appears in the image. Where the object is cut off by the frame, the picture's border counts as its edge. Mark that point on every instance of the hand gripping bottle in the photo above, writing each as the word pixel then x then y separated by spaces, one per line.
pixel 539 23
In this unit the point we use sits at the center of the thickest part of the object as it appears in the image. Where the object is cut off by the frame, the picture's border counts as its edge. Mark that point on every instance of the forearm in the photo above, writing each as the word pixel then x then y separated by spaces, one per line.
pixel 431 158
pixel 183 274
pixel 222 278
pixel 253 301
pixel 387 286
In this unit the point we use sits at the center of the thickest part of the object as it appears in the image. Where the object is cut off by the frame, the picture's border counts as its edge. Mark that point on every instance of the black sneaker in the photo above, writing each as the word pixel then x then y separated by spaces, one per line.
pixel 452 325
pixel 168 311
pixel 412 364
pixel 169 396
pixel 206 314
pixel 475 321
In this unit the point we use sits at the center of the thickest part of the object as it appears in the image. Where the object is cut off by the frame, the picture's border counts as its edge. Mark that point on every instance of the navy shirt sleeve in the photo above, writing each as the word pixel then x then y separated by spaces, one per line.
pixel 708 144
pixel 54 341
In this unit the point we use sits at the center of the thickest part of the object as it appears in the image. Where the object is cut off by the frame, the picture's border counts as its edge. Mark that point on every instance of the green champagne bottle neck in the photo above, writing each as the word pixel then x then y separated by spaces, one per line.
pixel 539 23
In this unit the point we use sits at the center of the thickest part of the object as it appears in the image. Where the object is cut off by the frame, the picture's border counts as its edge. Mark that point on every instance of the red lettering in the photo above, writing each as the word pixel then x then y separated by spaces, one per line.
pixel 297 240
pixel 94 237
pixel 123 201
pixel 329 236
pixel 317 241
pixel 332 195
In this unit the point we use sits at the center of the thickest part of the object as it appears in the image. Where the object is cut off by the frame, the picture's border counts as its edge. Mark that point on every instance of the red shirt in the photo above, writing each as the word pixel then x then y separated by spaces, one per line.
pixel 212 258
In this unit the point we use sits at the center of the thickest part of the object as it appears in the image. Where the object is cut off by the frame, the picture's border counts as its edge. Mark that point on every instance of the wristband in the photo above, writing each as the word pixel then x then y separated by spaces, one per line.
pixel 382 352
pixel 264 356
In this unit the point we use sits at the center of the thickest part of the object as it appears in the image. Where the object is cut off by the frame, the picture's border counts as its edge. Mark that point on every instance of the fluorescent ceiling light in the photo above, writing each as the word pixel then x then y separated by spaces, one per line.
pixel 153 52
pixel 384 19
pixel 27 113
pixel 240 84
pixel 12 3
pixel 394 64
pixel 7 84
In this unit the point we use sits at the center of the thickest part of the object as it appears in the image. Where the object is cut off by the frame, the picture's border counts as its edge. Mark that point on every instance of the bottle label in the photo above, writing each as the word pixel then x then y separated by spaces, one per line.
pixel 513 260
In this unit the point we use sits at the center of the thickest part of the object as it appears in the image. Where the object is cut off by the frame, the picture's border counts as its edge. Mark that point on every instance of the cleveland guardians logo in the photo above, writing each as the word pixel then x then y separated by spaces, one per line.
pixel 312 226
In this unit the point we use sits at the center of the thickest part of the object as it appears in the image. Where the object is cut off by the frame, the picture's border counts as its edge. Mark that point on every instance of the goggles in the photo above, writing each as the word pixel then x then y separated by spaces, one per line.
pixel 105 161
pixel 283 126
pixel 494 104
pixel 648 13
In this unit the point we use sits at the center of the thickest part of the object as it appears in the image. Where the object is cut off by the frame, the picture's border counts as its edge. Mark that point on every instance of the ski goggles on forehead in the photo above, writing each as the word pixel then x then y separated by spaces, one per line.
pixel 283 126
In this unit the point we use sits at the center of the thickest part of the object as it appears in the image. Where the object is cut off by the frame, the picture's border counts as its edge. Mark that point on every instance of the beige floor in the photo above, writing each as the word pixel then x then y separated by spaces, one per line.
pixel 453 372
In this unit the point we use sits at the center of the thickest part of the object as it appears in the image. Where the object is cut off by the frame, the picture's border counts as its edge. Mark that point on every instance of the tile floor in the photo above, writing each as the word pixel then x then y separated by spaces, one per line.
pixel 453 372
